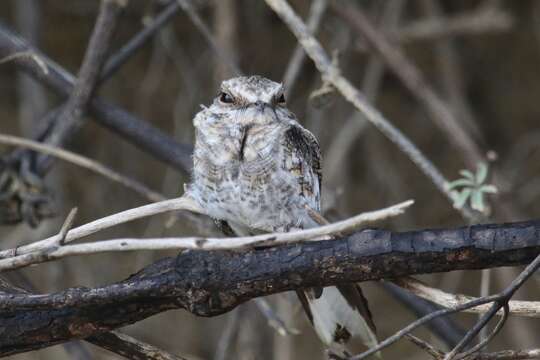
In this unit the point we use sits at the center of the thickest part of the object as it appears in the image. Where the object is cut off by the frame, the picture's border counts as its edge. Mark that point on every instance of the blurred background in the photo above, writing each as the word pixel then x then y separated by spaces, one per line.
pixel 481 57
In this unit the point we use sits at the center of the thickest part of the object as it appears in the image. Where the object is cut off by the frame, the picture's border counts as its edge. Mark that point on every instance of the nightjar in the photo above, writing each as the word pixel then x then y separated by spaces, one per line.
pixel 257 170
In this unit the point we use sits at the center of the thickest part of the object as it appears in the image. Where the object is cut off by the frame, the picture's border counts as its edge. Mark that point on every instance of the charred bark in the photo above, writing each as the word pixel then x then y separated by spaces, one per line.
pixel 209 283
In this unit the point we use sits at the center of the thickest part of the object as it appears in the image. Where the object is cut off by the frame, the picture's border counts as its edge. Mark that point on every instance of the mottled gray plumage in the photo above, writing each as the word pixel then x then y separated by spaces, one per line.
pixel 254 165
pixel 256 169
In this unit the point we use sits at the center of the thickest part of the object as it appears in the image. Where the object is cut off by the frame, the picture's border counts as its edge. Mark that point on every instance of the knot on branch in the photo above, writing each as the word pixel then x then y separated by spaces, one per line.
pixel 23 194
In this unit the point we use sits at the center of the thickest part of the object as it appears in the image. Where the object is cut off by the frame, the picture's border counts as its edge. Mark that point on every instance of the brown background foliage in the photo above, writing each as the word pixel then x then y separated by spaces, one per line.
pixel 165 83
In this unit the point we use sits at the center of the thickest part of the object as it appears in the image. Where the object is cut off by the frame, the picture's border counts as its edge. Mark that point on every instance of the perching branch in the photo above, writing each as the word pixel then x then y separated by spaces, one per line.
pixel 209 283
pixel 48 249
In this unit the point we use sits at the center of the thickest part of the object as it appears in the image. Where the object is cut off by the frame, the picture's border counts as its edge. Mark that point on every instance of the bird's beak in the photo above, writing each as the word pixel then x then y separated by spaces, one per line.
pixel 261 106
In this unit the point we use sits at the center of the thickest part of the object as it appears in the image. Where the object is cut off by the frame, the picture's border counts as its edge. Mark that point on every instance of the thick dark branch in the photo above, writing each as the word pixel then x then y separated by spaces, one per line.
pixel 134 129
pixel 209 283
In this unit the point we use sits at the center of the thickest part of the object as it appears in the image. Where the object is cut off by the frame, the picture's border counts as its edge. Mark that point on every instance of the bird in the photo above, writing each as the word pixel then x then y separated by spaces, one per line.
pixel 257 170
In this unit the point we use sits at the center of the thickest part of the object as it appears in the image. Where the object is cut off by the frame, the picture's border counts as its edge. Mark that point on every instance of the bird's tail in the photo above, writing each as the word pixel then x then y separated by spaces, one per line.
pixel 339 315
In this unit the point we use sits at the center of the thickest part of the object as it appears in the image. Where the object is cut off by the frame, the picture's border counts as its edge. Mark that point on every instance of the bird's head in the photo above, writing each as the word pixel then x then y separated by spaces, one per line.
pixel 245 101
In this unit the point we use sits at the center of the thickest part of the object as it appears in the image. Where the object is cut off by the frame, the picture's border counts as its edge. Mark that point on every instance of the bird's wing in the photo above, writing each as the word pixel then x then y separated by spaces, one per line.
pixel 337 313
pixel 302 158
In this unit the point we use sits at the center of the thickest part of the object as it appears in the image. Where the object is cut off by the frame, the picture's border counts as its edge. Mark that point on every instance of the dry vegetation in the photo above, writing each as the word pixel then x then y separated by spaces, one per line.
pixel 459 78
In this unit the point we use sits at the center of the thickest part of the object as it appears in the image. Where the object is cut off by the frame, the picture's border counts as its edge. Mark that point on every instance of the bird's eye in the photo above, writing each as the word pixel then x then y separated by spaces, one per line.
pixel 281 99
pixel 226 98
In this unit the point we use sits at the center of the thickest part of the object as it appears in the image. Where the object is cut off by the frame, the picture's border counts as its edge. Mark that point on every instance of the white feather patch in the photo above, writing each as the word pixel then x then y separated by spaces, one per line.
pixel 331 312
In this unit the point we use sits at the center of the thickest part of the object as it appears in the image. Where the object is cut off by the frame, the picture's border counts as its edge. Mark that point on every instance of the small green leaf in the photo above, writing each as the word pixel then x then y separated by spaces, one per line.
pixel 461 198
pixel 477 201
pixel 481 173
pixel 467 174
pixel 491 189
pixel 459 182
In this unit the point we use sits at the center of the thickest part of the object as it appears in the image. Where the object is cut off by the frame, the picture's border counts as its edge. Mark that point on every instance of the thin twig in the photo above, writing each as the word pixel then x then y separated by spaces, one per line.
pixel 499 355
pixel 122 55
pixel 445 329
pixel 475 331
pixel 70 118
pixel 32 100
pixel 448 63
pixel 447 300
pixel 501 302
pixel 130 348
pixel 119 58
pixel 207 34
pixel 356 123
pixel 413 79
pixel 60 240
pixel 273 319
pixel 27 55
pixel 67 225
pixel 424 345
pixel 332 74
pixel 507 355
pixel 43 251
pixel 227 335
pixel 226 26
pixel 501 297
pixel 474 23
pixel 84 162
pixel 316 13
pixel 485 282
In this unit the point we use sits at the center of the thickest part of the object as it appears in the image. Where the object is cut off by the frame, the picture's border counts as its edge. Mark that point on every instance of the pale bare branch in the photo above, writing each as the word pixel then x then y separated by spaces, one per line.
pixel 450 301
pixel 46 250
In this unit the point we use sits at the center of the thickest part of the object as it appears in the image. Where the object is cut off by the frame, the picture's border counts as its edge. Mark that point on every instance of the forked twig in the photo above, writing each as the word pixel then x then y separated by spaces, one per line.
pixel 447 300
pixel 45 250
pixel 498 301
pixel 332 75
